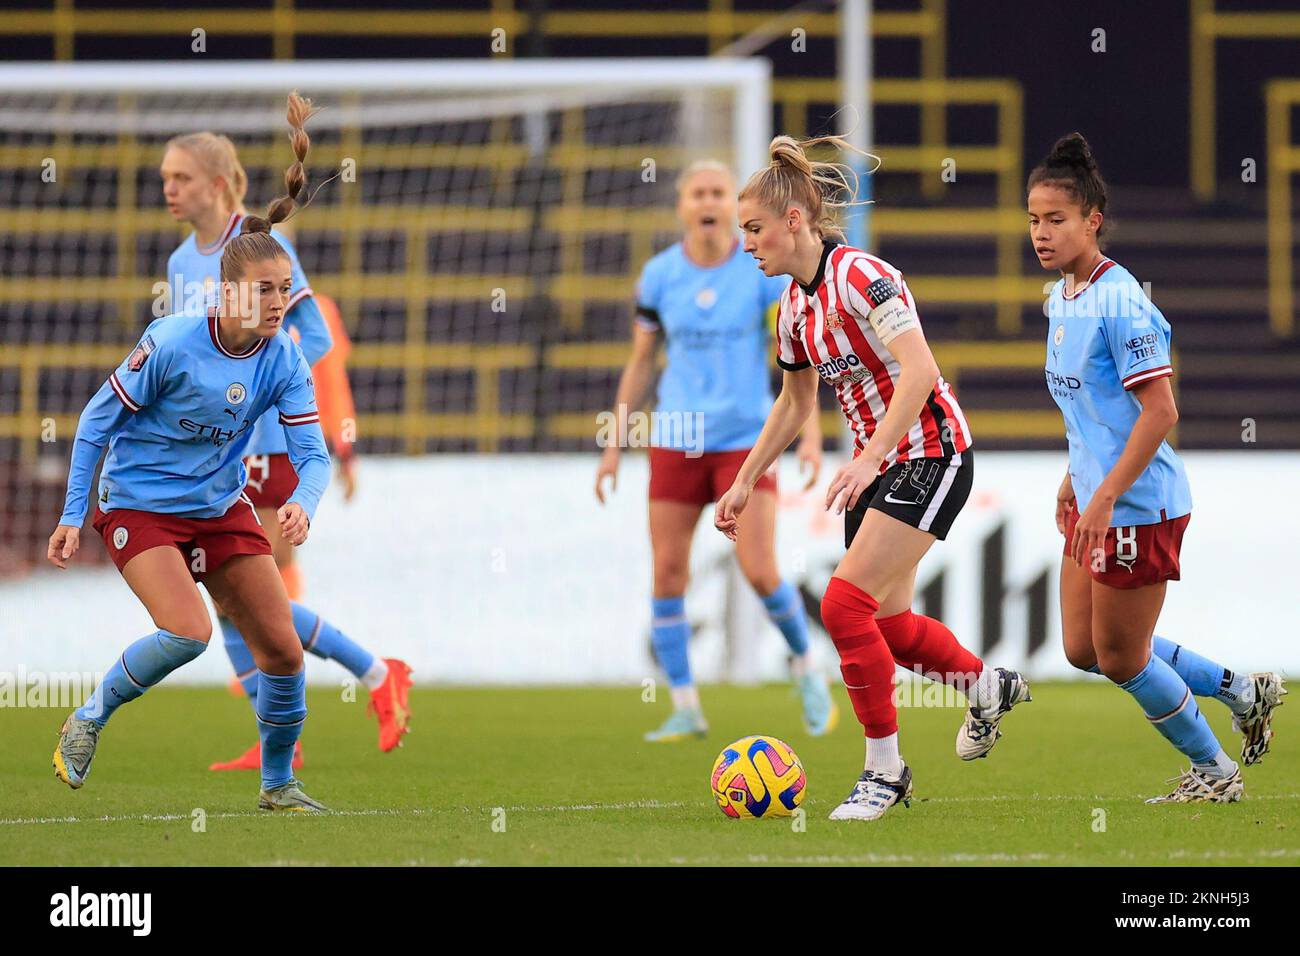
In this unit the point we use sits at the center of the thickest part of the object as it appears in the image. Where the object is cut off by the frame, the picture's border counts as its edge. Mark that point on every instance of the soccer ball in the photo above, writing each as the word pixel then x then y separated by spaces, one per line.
pixel 758 777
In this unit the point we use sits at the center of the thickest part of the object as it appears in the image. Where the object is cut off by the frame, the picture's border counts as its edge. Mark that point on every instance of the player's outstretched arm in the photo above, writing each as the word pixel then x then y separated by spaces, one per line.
pixel 293 523
pixel 63 545
pixel 810 447
pixel 918 373
pixel 307 451
pixel 314 336
pixel 105 413
pixel 789 414
pixel 1065 500
pixel 1159 414
pixel 633 385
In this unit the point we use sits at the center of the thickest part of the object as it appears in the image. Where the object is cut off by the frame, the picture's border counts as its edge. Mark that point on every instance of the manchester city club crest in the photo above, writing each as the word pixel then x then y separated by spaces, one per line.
pixel 834 320
pixel 119 538
pixel 235 393
pixel 1059 337
pixel 706 298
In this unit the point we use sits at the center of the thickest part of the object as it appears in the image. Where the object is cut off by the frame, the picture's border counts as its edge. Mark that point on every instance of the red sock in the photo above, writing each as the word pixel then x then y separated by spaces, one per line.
pixel 923 644
pixel 848 612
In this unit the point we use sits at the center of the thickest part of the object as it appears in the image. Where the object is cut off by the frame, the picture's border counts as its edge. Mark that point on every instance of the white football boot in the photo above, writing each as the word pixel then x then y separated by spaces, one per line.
pixel 978 733
pixel 873 794
pixel 1255 725
pixel 1197 786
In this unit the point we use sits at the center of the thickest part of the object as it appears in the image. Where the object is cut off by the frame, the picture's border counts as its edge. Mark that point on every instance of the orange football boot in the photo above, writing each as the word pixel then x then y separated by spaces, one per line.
pixel 388 702
pixel 251 759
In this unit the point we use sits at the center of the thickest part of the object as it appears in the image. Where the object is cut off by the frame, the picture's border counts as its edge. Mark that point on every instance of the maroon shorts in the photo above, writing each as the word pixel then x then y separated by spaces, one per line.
pixel 205 543
pixel 271 480
pixel 699 480
pixel 1136 555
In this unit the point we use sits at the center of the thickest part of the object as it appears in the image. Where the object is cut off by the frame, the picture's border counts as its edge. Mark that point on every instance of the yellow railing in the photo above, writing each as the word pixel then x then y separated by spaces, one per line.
pixel 1005 288
pixel 1004 223
pixel 1208 26
pixel 720 24
pixel 484 423
pixel 1283 160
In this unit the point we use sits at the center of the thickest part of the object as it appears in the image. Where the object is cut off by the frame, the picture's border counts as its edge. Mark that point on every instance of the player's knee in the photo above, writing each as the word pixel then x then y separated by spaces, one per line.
pixel 846 611
pixel 1081 655
pixel 1119 666
pixel 283 657
pixel 671 578
pixel 764 580
pixel 193 625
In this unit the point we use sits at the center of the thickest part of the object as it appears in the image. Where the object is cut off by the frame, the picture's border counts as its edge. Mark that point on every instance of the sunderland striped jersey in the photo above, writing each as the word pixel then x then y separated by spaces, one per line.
pixel 842 324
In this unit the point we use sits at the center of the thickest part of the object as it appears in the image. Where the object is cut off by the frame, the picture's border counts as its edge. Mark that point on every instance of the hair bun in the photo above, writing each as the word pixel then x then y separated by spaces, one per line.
pixel 254 224
pixel 1072 150
pixel 786 151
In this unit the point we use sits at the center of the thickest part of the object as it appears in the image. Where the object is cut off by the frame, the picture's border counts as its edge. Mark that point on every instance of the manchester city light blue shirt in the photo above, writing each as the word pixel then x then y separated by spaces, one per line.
pixel 177 416
pixel 194 271
pixel 715 326
pixel 1101 343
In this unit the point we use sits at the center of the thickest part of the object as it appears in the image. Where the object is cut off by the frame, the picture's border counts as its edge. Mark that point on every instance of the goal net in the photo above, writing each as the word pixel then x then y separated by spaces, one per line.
pixel 482 239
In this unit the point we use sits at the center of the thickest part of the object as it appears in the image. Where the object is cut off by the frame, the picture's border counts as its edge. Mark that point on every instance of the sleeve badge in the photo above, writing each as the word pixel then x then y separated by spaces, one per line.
pixel 141 353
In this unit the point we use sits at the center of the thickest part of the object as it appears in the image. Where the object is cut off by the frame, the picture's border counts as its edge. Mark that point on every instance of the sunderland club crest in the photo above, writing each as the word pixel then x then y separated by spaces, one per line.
pixel 834 321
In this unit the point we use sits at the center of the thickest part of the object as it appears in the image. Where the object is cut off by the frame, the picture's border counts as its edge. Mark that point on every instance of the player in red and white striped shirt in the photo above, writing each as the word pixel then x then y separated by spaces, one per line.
pixel 849 318
pixel 828 324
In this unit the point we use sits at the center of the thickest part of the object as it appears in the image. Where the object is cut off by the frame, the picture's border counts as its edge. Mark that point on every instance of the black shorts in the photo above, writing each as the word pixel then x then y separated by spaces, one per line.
pixel 927 493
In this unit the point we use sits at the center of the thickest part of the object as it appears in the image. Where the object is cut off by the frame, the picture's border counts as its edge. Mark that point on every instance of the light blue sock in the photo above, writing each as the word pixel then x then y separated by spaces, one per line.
pixel 323 639
pixel 1203 676
pixel 785 608
pixel 141 665
pixel 241 658
pixel 1094 669
pixel 1169 705
pixel 670 632
pixel 281 710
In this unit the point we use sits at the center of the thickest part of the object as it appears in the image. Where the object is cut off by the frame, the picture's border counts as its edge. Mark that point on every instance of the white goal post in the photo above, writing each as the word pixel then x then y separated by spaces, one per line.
pixel 747 82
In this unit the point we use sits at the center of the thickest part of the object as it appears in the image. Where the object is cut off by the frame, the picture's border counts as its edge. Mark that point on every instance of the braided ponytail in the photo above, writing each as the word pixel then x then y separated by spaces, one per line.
pixel 255 242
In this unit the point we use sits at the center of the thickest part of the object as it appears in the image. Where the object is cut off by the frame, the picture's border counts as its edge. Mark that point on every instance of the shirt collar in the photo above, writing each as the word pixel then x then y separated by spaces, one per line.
pixel 232 224
pixel 214 332
pixel 827 248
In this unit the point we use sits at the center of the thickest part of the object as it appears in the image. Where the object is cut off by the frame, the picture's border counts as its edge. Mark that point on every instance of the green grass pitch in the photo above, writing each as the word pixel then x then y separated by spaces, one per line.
pixel 578 786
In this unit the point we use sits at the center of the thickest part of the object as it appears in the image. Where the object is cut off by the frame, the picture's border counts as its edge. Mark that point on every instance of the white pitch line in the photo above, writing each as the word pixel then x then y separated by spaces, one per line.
pixel 558 808
pixel 1037 797
pixel 394 812
pixel 865 858
pixel 887 858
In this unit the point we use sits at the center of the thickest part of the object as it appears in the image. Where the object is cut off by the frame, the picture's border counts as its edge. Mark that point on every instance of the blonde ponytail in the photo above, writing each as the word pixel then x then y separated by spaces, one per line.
pixel 792 178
